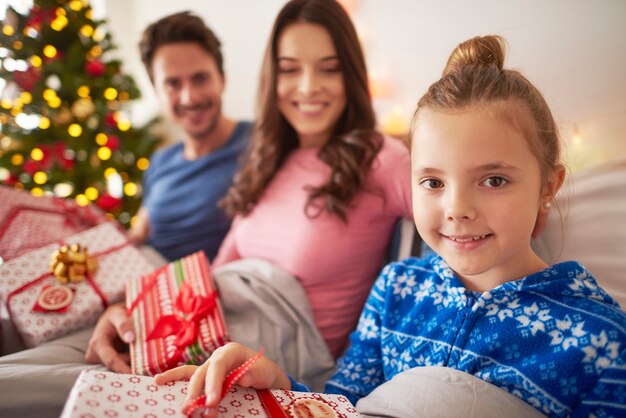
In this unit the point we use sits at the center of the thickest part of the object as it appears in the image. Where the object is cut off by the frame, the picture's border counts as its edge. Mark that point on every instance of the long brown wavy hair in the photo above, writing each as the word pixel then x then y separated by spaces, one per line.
pixel 352 147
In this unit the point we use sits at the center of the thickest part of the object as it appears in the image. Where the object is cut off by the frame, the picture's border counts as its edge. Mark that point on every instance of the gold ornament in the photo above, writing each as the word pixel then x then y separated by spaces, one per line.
pixel 71 264
pixel 83 108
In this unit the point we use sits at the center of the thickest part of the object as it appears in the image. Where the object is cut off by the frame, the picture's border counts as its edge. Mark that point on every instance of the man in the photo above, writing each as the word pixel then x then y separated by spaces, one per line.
pixel 179 214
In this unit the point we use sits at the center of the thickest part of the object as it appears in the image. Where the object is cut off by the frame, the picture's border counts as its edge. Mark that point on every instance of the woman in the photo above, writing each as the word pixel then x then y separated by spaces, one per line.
pixel 320 190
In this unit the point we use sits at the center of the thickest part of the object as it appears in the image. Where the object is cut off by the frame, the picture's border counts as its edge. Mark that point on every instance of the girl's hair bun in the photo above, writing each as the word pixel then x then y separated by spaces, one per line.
pixel 478 51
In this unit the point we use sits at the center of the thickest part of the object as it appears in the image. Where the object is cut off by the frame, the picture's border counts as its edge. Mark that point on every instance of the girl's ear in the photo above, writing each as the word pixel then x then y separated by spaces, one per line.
pixel 552 186
pixel 550 189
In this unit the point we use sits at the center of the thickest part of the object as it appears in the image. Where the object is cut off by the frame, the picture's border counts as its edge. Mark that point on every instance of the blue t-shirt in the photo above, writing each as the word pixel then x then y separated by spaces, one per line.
pixel 554 338
pixel 181 196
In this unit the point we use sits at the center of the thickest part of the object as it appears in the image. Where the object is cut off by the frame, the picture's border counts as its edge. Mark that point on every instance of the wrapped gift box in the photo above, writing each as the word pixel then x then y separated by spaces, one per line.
pixel 28 222
pixel 176 315
pixel 24 280
pixel 106 394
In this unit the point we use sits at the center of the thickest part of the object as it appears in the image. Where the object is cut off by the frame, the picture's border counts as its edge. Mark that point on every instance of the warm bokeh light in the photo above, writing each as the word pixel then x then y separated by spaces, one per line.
pixel 82 200
pixel 143 163
pixel 92 193
pixel 75 130
pixel 395 122
pixel 98 35
pixel 109 172
pixel 59 23
pixel 104 153
pixel 17 159
pixel 26 97
pixel 130 189
pixel 49 94
pixel 35 61
pixel 40 177
pixel 123 125
pixel 83 91
pixel 49 51
pixel 8 30
pixel 110 93
pixel 36 191
pixel 63 189
pixel 76 5
pixel 101 139
pixel 96 51
pixel 36 154
pixel 54 103
pixel 44 123
pixel 86 31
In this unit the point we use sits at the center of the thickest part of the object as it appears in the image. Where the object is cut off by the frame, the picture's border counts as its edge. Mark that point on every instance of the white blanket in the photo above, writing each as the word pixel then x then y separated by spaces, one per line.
pixel 264 306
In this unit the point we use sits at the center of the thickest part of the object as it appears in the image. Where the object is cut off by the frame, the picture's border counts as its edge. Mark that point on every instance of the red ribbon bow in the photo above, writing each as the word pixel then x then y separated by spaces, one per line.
pixel 185 323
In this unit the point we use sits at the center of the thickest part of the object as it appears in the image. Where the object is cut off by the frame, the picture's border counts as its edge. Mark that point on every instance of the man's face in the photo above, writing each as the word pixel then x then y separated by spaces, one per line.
pixel 189 84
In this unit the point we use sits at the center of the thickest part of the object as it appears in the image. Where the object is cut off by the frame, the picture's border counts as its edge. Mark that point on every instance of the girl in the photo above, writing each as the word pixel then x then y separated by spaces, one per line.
pixel 485 171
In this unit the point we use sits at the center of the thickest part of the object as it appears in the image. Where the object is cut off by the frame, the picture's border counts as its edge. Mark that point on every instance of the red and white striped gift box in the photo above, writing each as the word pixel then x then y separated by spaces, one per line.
pixel 176 315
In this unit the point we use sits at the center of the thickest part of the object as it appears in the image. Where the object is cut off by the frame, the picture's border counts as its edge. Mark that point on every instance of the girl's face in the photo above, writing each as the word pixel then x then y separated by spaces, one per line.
pixel 476 194
pixel 310 87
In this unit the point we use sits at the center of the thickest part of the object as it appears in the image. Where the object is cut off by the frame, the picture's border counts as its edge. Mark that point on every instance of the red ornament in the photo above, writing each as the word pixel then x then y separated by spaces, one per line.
pixel 32 166
pixel 109 119
pixel 113 142
pixel 11 180
pixel 26 80
pixel 108 203
pixel 95 68
pixel 38 16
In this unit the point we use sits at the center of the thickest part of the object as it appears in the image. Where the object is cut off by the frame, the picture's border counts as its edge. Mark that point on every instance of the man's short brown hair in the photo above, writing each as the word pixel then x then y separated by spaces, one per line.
pixel 179 27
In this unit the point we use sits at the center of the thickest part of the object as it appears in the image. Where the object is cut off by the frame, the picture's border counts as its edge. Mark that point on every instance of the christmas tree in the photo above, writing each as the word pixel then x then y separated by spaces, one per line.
pixel 62 110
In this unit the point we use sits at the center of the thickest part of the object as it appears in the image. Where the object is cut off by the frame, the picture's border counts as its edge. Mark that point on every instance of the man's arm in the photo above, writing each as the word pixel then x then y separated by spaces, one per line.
pixel 140 230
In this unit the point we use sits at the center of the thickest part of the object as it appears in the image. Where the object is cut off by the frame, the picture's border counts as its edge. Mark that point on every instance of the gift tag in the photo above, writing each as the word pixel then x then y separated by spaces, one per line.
pixel 54 298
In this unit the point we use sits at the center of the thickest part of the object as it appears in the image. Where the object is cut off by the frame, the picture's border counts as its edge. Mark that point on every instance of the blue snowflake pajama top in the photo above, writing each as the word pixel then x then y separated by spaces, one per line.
pixel 555 338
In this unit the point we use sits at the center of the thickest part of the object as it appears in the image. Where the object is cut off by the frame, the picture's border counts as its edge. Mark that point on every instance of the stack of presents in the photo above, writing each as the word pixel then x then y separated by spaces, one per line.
pixel 62 264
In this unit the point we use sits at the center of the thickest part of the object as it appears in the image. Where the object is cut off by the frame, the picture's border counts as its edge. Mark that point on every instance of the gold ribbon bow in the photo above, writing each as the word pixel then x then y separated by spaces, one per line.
pixel 72 264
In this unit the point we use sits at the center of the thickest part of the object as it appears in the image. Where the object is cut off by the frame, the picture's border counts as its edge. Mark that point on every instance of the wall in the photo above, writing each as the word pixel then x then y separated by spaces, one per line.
pixel 573 50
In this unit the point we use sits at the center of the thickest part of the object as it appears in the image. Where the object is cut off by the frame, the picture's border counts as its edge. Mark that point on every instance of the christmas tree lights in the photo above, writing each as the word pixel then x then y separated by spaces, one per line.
pixel 63 103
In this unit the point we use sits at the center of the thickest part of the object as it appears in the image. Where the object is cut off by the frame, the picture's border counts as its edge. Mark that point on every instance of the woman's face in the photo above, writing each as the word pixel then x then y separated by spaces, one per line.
pixel 310 86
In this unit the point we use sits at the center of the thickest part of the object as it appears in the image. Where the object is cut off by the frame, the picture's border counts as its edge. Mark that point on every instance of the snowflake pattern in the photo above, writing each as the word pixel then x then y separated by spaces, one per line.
pixel 602 352
pixel 534 318
pixel 367 327
pixel 567 334
pixel 540 338
pixel 403 285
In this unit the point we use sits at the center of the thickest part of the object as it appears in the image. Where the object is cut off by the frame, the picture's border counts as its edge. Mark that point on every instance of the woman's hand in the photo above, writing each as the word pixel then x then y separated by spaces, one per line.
pixel 263 374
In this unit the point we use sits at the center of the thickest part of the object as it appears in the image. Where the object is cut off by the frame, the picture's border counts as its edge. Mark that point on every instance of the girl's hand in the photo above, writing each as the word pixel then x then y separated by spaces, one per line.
pixel 264 374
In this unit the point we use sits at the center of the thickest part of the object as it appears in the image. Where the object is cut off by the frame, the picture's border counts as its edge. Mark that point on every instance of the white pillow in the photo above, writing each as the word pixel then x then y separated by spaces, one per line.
pixel 591 228
pixel 440 392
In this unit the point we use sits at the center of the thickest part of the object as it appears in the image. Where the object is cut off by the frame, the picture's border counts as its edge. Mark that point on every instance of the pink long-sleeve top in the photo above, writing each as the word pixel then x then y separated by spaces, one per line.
pixel 335 262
